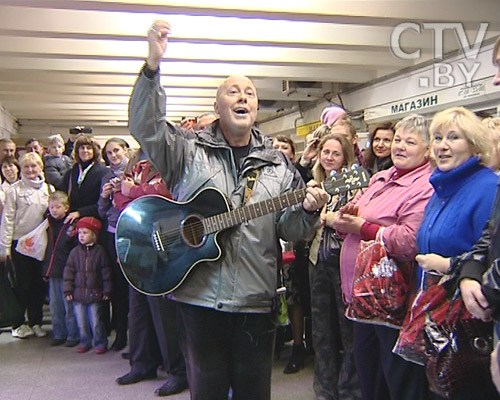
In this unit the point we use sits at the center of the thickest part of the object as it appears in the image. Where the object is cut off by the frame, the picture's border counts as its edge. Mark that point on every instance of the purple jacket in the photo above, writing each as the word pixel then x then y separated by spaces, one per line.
pixel 399 206
pixel 87 275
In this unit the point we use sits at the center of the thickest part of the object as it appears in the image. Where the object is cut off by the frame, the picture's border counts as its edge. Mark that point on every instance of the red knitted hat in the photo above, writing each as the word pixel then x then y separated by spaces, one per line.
pixel 90 223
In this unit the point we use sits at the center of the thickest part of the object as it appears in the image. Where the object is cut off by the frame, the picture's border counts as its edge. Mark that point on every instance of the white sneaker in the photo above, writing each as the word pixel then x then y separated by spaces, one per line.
pixel 38 331
pixel 19 332
pixel 28 331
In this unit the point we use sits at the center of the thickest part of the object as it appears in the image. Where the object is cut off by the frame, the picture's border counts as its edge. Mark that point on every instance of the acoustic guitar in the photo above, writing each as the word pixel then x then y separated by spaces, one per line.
pixel 159 241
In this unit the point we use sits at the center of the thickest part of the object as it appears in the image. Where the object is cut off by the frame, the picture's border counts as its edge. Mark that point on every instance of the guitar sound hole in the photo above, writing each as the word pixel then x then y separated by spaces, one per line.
pixel 192 231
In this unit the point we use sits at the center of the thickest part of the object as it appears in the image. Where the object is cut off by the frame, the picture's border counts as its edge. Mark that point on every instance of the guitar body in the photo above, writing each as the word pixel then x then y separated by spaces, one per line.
pixel 157 268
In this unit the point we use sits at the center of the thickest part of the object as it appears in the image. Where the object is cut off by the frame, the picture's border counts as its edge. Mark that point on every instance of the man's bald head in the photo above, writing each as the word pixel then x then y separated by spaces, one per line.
pixel 235 78
pixel 237 104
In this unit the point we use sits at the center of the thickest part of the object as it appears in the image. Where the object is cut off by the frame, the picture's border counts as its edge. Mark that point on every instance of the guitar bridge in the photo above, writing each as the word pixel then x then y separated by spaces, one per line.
pixel 158 243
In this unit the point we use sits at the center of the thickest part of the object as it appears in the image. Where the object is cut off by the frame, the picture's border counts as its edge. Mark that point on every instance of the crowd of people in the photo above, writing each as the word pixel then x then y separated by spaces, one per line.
pixel 431 204
pixel 79 200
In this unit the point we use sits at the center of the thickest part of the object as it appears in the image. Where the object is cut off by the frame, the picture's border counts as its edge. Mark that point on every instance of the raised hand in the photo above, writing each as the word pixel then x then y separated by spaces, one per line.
pixel 157 38
pixel 311 150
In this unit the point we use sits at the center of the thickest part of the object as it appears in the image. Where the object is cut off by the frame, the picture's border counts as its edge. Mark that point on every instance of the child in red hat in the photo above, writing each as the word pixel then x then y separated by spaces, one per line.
pixel 87 283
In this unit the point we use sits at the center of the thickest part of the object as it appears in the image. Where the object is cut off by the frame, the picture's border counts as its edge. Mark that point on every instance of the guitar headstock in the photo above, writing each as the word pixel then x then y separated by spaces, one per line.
pixel 355 178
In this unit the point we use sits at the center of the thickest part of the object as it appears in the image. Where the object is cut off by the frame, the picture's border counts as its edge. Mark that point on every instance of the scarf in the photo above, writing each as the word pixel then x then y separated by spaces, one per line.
pixel 83 173
pixel 33 183
pixel 119 170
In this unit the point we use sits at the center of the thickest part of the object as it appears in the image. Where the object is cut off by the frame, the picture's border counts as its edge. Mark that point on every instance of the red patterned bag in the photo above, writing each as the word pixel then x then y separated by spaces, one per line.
pixel 381 288
pixel 430 297
pixel 458 348
pixel 441 334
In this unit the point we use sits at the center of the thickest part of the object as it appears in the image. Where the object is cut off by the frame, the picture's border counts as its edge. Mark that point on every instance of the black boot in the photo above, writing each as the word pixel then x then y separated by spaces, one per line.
pixel 120 341
pixel 296 362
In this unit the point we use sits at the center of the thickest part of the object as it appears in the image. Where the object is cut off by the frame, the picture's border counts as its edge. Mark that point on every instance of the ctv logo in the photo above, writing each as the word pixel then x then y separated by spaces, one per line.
pixel 442 73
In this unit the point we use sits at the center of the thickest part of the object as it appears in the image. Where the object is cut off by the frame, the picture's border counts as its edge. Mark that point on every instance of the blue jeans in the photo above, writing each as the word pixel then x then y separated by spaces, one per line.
pixel 226 350
pixel 91 324
pixel 64 324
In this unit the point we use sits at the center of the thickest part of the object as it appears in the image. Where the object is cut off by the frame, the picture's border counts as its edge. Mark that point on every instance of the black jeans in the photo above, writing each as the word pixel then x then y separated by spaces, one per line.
pixel 153 335
pixel 384 375
pixel 335 375
pixel 224 350
pixel 30 289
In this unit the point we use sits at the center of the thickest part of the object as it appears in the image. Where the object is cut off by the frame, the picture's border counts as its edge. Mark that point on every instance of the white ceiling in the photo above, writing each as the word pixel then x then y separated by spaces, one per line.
pixel 73 62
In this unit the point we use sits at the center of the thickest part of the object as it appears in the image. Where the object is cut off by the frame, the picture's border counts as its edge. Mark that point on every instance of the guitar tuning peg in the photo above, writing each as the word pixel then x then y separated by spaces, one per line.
pixel 344 170
pixel 333 173
pixel 354 166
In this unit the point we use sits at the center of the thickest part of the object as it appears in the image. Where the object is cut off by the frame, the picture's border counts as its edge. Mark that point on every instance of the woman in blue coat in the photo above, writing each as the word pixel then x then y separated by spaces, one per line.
pixel 464 191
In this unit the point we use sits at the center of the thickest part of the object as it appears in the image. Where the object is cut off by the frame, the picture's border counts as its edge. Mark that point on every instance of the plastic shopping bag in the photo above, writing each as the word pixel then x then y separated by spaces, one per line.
pixel 34 243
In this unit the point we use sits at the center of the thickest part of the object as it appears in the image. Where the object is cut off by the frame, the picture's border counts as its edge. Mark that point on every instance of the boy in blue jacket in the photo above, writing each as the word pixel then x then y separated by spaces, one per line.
pixel 60 242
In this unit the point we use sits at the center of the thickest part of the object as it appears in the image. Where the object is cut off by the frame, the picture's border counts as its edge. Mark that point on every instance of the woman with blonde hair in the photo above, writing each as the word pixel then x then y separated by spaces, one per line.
pixel 493 125
pixel 26 202
pixel 334 370
pixel 464 192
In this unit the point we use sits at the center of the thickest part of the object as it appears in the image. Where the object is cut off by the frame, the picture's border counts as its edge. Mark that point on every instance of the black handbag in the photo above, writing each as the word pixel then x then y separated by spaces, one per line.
pixel 11 310
pixel 329 247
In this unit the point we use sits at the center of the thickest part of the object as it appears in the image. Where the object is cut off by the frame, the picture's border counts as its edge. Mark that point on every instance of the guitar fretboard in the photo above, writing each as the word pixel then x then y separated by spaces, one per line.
pixel 231 218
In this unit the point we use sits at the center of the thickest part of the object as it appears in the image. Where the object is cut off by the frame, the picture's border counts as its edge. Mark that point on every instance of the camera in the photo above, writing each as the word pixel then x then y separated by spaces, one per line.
pixel 80 129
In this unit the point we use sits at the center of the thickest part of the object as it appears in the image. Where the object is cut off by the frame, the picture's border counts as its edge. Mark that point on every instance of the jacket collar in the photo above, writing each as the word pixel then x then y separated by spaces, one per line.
pixel 407 179
pixel 447 183
pixel 261 148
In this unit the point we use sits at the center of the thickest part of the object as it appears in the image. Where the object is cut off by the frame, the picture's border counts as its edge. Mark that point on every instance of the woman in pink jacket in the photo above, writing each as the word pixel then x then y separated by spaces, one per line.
pixel 395 201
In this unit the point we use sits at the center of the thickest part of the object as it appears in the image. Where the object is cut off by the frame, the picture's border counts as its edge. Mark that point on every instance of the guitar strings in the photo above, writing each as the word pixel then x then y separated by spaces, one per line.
pixel 197 228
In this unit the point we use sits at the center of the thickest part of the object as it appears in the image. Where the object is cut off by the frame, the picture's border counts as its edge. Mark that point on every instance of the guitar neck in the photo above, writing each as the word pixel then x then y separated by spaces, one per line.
pixel 231 218
pixel 345 181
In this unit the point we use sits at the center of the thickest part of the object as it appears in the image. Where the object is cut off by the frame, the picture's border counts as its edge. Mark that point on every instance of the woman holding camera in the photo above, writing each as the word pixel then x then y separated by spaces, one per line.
pixel 115 154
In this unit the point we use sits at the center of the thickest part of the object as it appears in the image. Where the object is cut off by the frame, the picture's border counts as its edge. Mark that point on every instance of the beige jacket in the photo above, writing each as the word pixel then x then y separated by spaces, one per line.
pixel 24 208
